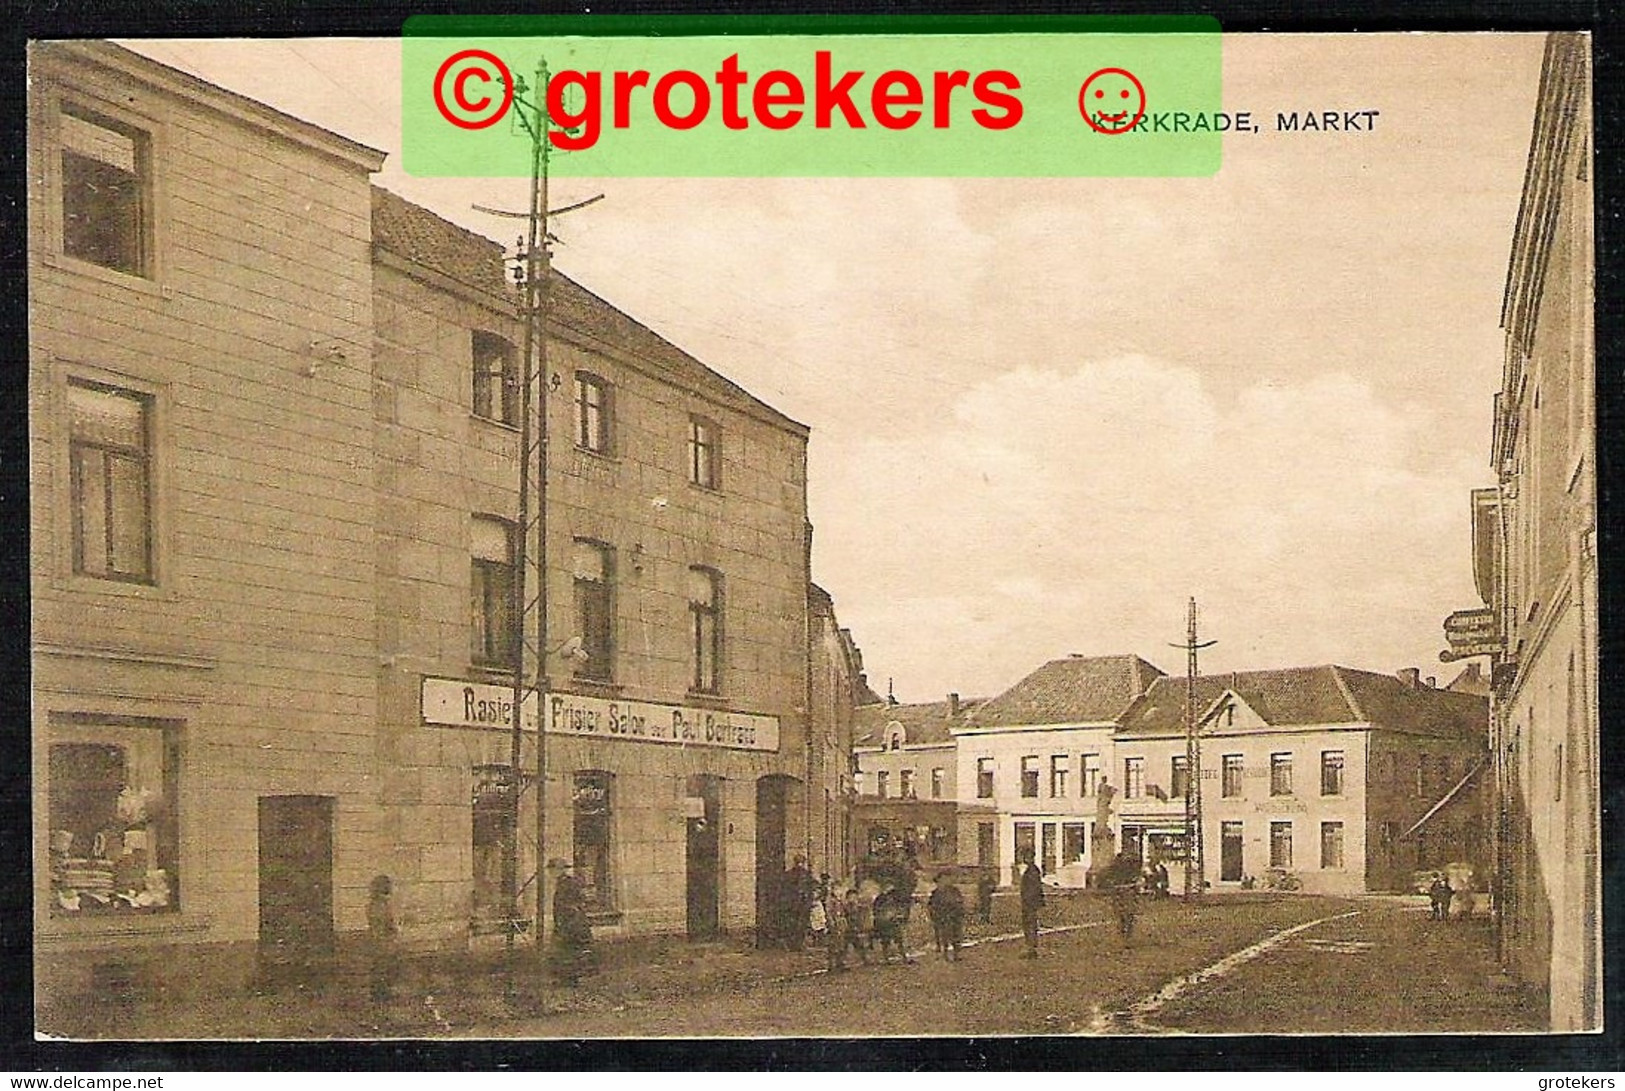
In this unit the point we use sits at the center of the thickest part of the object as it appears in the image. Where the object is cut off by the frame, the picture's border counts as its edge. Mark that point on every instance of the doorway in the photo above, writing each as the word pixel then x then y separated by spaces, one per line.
pixel 704 858
pixel 296 881
pixel 772 847
pixel 1230 852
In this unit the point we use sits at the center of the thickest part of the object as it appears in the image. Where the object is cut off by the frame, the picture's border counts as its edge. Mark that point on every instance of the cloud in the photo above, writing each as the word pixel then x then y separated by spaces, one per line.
pixel 1075 509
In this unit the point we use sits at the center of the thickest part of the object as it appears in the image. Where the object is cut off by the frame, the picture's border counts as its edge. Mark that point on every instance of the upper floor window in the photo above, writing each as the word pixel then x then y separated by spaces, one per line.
pixel 705 614
pixel 106 192
pixel 938 776
pixel 984 778
pixel 704 453
pixel 1029 776
pixel 905 784
pixel 1331 772
pixel 1179 776
pixel 593 566
pixel 496 378
pixel 1059 767
pixel 594 413
pixel 492 586
pixel 1091 774
pixel 1280 774
pixel 882 783
pixel 110 462
pixel 1133 778
pixel 1230 782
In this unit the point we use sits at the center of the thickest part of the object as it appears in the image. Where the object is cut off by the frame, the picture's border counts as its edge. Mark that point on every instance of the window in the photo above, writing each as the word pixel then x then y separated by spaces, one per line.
pixel 1029 777
pixel 1280 774
pixel 1281 844
pixel 882 784
pixel 1047 863
pixel 594 413
pixel 704 453
pixel 594 568
pixel 111 812
pixel 1331 772
pixel 894 737
pixel 1072 843
pixel 905 784
pixel 1331 844
pixel 1179 776
pixel 1133 778
pixel 1091 774
pixel 1026 842
pixel 705 627
pixel 592 807
pixel 987 844
pixel 984 778
pixel 1057 775
pixel 106 192
pixel 496 378
pixel 938 777
pixel 110 473
pixel 492 585
pixel 1230 784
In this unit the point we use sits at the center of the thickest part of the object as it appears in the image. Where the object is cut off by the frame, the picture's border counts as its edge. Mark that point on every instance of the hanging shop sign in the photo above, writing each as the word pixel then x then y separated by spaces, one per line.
pixel 1470 633
pixel 452 702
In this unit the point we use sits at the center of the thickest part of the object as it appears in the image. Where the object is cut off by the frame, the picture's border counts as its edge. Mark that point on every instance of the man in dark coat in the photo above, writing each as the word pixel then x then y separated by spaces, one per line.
pixel 1122 880
pixel 946 907
pixel 797 904
pixel 572 931
pixel 1032 897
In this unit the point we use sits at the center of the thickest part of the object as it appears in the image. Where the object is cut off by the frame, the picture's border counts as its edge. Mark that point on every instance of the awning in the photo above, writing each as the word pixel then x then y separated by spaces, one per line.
pixel 1448 796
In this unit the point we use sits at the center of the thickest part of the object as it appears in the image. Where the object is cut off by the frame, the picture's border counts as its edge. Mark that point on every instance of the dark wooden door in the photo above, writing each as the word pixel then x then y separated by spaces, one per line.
pixel 296 879
pixel 772 803
pixel 705 860
pixel 1230 852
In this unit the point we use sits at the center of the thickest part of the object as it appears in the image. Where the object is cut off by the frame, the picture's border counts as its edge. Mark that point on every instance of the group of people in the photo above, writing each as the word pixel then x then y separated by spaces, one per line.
pixel 870 916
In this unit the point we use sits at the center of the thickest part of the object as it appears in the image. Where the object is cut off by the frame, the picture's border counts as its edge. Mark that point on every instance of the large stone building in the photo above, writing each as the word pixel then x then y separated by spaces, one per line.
pixel 1535 536
pixel 275 459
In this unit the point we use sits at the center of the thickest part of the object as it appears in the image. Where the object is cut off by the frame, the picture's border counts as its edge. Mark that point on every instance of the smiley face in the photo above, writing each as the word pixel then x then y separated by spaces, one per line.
pixel 1112 101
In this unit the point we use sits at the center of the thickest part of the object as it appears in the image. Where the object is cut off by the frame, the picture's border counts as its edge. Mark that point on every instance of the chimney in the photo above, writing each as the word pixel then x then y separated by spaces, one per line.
pixel 953 706
pixel 1433 683
pixel 1411 676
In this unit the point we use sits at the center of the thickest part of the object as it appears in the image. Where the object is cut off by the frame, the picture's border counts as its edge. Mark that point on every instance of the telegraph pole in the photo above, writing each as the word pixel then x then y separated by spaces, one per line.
pixel 1195 869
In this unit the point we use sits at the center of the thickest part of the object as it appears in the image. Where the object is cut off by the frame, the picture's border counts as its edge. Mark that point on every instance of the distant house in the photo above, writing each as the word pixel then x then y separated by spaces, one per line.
pixel 1327 779
pixel 907 778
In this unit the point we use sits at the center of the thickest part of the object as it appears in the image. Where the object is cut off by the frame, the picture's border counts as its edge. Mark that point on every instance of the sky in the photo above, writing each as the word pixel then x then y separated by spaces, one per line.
pixel 1046 412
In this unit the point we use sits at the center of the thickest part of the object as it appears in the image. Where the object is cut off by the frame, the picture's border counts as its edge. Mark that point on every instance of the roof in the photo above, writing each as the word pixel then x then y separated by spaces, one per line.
pixel 1312 696
pixel 923 724
pixel 428 240
pixel 1075 690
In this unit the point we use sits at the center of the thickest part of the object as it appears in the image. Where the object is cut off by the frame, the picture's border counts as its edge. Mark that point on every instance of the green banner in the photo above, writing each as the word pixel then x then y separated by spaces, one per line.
pixel 804 96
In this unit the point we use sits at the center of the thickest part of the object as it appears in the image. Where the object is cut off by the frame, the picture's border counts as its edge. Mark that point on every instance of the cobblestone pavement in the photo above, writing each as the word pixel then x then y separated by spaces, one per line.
pixel 1246 963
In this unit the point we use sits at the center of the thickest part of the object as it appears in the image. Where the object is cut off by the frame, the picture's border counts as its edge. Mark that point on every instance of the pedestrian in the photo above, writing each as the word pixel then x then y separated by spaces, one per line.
pixel 1123 881
pixel 798 891
pixel 572 931
pixel 1159 879
pixel 381 933
pixel 839 932
pixel 818 916
pixel 984 895
pixel 1032 899
pixel 946 908
pixel 1439 894
pixel 890 922
pixel 858 915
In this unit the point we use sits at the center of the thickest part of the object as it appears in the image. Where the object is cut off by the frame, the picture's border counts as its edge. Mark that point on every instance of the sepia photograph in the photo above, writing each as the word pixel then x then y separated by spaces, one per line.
pixel 811 603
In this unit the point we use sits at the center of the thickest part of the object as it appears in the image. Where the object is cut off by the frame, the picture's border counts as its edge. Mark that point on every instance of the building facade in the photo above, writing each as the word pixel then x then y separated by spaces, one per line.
pixel 201 555
pixel 1036 766
pixel 1535 536
pixel 908 778
pixel 1324 779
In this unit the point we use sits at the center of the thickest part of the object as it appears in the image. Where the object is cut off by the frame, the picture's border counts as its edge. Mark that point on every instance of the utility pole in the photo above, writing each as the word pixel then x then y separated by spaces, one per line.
pixel 1195 869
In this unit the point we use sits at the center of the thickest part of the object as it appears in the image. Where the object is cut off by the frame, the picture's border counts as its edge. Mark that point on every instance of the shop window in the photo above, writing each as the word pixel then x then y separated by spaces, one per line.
pixel 593 814
pixel 1026 842
pixel 110 455
pixel 905 784
pixel 1058 770
pixel 492 826
pixel 938 781
pixel 106 192
pixel 112 789
pixel 594 414
pixel 1091 774
pixel 937 843
pixel 1133 778
pixel 704 453
pixel 496 378
pixel 1029 777
pixel 1230 784
pixel 984 778
pixel 1280 844
pixel 594 571
pixel 492 585
pixel 1179 776
pixel 705 627
pixel 1280 774
pixel 1072 842
pixel 1331 772
pixel 1047 864
pixel 1331 844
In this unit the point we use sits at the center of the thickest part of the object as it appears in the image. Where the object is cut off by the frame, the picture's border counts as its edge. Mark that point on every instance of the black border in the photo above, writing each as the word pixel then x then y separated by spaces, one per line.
pixel 1554 1054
